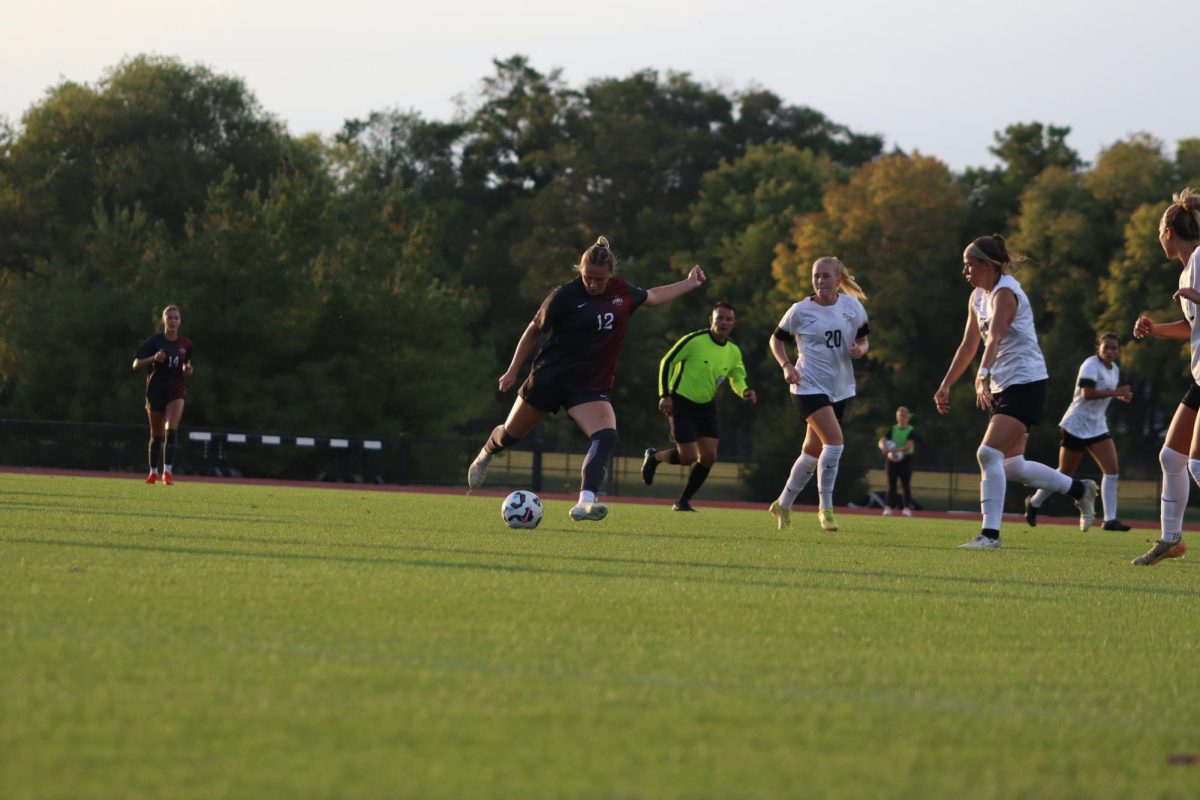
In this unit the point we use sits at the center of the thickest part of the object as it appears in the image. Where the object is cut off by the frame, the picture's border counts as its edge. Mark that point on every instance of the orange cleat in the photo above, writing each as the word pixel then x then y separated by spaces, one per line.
pixel 152 477
pixel 168 479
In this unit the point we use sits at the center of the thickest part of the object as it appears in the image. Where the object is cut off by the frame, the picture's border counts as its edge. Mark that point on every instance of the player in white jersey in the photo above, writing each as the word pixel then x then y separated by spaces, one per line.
pixel 828 328
pixel 1084 427
pixel 1179 235
pixel 1010 385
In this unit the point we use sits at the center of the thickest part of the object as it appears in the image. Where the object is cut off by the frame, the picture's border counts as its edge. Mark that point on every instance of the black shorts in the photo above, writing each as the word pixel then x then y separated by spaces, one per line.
pixel 691 421
pixel 1022 402
pixel 1070 441
pixel 549 393
pixel 1192 398
pixel 159 395
pixel 808 404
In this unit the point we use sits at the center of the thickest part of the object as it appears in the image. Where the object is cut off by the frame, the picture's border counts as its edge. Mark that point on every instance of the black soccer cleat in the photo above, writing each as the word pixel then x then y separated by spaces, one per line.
pixel 682 505
pixel 649 464
pixel 1115 525
pixel 1031 512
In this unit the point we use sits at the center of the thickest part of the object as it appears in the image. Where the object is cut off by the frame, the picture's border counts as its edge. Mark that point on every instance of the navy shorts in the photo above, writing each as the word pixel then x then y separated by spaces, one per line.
pixel 808 404
pixel 1070 441
pixel 1022 402
pixel 550 393
pixel 159 395
pixel 691 421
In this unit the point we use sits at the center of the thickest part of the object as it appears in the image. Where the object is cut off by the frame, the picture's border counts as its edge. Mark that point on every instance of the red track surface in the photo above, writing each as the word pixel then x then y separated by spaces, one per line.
pixel 451 490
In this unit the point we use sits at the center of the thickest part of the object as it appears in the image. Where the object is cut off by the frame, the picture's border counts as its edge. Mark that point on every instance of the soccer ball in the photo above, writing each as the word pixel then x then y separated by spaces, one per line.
pixel 521 509
pixel 887 444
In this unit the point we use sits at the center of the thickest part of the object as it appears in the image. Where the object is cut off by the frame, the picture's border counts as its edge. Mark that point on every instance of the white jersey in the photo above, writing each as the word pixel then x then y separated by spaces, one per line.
pixel 1085 418
pixel 823 337
pixel 1188 278
pixel 1018 356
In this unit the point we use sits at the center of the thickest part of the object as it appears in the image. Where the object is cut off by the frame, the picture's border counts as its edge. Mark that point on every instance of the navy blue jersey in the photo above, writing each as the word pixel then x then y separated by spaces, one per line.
pixel 584 332
pixel 169 373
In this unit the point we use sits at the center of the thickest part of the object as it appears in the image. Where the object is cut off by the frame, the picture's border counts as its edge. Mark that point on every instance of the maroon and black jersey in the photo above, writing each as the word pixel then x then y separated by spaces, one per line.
pixel 584 332
pixel 169 373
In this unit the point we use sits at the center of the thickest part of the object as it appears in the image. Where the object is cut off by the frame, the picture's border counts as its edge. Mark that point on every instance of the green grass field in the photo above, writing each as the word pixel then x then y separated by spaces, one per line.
pixel 215 640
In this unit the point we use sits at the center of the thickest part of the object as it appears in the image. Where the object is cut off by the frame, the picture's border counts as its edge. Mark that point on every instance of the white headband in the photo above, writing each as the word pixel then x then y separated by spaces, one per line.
pixel 977 252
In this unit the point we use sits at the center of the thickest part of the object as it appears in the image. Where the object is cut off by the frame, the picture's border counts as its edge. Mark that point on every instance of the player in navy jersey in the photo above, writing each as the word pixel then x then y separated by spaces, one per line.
pixel 167 358
pixel 584 324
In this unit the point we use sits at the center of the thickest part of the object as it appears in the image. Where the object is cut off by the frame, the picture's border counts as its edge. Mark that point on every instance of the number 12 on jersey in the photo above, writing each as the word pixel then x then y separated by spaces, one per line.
pixel 604 322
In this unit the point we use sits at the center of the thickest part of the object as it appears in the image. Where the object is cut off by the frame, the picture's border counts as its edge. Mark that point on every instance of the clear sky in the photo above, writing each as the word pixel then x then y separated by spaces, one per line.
pixel 938 76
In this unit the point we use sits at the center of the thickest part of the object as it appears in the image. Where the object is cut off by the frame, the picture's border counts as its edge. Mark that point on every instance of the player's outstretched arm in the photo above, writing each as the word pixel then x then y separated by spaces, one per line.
pixel 665 294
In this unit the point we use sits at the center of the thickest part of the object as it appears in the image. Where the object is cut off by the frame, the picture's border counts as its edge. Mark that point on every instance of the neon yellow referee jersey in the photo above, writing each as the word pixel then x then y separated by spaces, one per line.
pixel 697 365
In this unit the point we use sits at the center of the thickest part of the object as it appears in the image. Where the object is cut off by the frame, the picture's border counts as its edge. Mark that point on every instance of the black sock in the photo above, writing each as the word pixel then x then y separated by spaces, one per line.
pixel 1076 490
pixel 169 450
pixel 672 456
pixel 499 440
pixel 991 533
pixel 596 460
pixel 695 480
pixel 154 452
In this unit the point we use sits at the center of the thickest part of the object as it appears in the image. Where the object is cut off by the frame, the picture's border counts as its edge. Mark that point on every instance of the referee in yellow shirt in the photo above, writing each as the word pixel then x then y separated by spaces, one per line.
pixel 688 378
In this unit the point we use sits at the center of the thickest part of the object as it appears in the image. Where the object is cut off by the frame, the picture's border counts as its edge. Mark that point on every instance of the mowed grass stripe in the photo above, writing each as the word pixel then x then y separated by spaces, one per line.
pixel 270 642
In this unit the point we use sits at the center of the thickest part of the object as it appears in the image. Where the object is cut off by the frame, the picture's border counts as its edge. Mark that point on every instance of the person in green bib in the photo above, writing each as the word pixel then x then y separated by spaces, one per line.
pixel 688 378
pixel 898 446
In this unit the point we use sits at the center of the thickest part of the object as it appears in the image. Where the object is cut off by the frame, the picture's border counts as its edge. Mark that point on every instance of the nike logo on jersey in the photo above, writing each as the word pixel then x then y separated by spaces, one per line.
pixel 581 305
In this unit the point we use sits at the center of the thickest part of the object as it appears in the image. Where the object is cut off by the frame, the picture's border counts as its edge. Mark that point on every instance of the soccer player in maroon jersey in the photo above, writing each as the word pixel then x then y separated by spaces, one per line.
pixel 584 322
pixel 167 357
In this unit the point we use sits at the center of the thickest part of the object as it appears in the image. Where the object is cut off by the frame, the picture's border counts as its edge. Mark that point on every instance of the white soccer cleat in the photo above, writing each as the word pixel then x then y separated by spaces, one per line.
pixel 1087 504
pixel 887 511
pixel 478 470
pixel 582 512
pixel 907 512
pixel 783 516
pixel 981 542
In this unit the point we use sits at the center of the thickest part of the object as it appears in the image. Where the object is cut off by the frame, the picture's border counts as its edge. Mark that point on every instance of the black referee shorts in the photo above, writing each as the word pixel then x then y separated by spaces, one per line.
pixel 691 421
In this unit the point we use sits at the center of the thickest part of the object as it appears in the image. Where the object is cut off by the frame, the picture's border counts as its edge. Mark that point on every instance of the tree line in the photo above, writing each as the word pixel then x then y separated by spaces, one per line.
pixel 376 281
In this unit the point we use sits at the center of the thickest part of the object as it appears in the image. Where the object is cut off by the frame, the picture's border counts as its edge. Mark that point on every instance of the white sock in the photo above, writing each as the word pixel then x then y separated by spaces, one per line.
pixel 1174 493
pixel 1108 496
pixel 586 497
pixel 802 472
pixel 831 456
pixel 168 468
pixel 1039 476
pixel 991 485
pixel 1039 497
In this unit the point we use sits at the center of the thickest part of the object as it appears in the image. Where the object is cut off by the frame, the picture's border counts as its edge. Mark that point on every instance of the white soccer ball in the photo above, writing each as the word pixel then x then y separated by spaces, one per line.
pixel 888 444
pixel 521 509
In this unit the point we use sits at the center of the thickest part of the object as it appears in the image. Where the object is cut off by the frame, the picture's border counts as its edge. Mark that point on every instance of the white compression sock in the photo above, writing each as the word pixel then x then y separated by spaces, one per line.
pixel 1039 476
pixel 586 497
pixel 1108 496
pixel 802 472
pixel 1039 497
pixel 991 485
pixel 1174 493
pixel 831 456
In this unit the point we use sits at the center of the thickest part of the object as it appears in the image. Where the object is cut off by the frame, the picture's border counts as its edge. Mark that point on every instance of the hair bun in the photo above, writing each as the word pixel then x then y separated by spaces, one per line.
pixel 602 241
